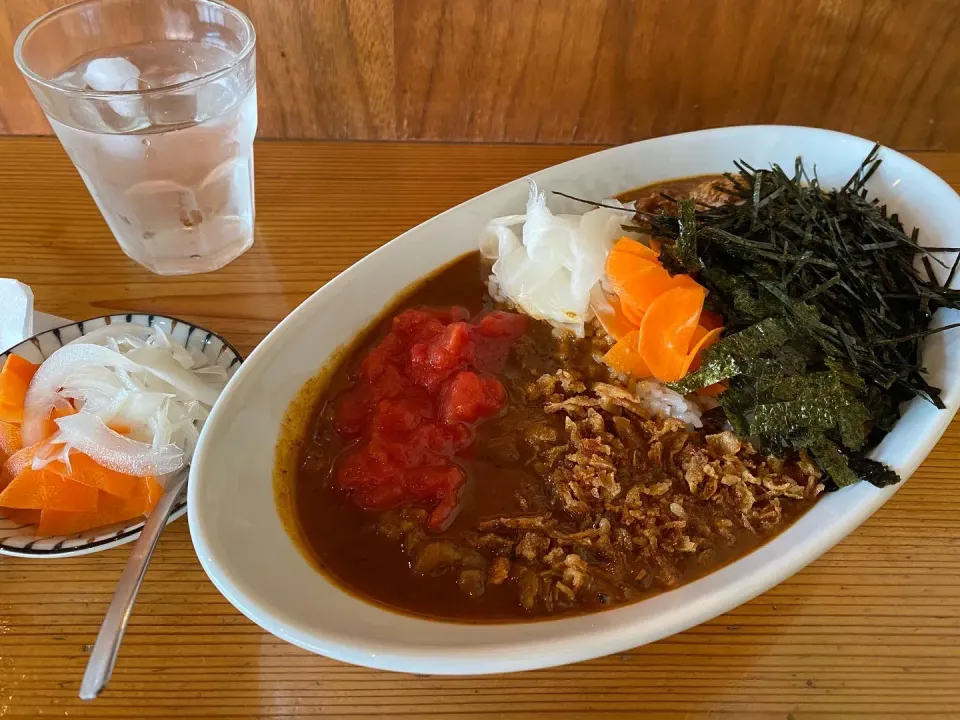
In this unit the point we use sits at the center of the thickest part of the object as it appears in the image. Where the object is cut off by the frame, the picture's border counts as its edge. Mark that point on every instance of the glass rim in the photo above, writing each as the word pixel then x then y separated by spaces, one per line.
pixel 203 79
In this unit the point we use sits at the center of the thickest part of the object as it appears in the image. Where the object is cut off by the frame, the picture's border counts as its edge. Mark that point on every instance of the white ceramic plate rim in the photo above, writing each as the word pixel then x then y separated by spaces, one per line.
pixel 583 637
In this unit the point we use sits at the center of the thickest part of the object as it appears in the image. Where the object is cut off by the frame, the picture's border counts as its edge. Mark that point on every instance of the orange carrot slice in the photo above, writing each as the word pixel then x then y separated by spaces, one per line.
pixel 86 471
pixel 21 459
pixel 632 313
pixel 666 308
pixel 667 329
pixel 22 517
pixel 710 320
pixel 14 380
pixel 614 319
pixel 684 305
pixel 625 357
pixel 10 440
pixel 665 363
pixel 637 248
pixel 16 366
pixel 712 390
pixel 61 522
pixel 698 334
pixel 622 266
pixel 641 289
pixel 43 490
pixel 154 491
pixel 698 345
pixel 58 412
pixel 110 509
pixel 635 273
pixel 11 413
pixel 689 282
pixel 705 339
pixel 626 273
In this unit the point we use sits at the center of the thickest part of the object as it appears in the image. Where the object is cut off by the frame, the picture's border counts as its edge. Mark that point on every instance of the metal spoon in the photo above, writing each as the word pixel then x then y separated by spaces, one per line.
pixel 105 649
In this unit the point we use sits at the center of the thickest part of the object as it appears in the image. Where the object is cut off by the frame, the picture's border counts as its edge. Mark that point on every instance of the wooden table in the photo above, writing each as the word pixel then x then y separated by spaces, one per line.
pixel 870 630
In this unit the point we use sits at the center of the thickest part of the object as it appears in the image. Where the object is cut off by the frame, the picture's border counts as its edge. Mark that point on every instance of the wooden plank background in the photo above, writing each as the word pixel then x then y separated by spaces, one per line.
pixel 583 71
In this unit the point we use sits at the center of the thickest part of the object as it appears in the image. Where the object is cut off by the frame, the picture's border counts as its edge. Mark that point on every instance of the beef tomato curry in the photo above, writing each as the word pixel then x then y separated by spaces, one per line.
pixel 468 462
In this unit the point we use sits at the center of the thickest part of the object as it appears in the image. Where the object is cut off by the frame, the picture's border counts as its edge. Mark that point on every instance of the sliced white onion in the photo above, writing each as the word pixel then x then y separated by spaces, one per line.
pixel 118 332
pixel 130 383
pixel 42 393
pixel 88 434
pixel 186 358
pixel 130 336
pixel 93 379
pixel 550 273
pixel 141 408
pixel 127 375
pixel 163 366
pixel 212 373
pixel 52 451
pixel 105 407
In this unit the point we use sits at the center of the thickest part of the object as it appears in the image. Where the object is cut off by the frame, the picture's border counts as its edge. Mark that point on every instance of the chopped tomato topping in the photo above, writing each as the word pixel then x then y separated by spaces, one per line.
pixel 417 397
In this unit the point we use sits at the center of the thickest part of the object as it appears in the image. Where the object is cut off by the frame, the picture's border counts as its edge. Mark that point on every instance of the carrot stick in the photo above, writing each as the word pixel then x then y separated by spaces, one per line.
pixel 43 490
pixel 667 329
pixel 14 380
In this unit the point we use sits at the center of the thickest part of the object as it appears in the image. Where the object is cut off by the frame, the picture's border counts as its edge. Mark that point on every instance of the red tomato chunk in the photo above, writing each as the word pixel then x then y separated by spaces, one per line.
pixel 417 399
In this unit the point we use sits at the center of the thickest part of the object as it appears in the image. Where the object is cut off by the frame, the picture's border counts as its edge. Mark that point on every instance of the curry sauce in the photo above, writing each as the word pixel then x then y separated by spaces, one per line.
pixel 576 495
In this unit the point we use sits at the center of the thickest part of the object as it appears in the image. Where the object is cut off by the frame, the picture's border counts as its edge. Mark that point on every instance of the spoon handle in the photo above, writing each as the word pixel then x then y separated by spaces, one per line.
pixel 104 655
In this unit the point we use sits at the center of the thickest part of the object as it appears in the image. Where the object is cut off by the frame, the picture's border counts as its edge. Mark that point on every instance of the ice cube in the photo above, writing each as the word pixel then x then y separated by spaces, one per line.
pixel 72 78
pixel 112 74
pixel 16 313
pixel 214 99
pixel 115 74
pixel 226 189
pixel 127 146
pixel 172 108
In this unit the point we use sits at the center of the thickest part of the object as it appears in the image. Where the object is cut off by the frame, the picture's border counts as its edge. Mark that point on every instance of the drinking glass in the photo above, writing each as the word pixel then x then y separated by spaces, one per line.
pixel 155 102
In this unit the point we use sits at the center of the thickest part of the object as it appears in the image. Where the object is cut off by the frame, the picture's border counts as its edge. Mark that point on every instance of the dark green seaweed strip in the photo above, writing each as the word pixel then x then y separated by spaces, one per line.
pixel 827 282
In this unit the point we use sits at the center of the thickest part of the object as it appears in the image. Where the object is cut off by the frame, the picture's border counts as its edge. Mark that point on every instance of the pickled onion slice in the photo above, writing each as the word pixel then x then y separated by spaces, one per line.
pixel 135 401
pixel 551 271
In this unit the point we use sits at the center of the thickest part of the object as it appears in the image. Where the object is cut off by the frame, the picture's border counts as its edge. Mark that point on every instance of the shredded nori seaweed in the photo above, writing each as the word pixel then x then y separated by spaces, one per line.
pixel 822 301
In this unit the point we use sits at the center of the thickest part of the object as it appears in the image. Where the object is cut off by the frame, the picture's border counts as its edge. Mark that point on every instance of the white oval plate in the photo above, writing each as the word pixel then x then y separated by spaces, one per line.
pixel 21 540
pixel 250 558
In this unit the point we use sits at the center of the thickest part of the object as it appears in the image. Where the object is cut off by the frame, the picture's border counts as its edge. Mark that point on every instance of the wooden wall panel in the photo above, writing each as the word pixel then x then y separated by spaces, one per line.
pixel 325 68
pixel 19 113
pixel 584 71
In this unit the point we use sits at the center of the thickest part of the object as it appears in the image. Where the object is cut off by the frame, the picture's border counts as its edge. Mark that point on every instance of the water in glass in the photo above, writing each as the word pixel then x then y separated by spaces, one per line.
pixel 171 172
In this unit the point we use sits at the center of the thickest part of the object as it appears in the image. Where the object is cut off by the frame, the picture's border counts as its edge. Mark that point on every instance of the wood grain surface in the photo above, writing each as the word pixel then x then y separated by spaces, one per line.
pixel 583 71
pixel 871 630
